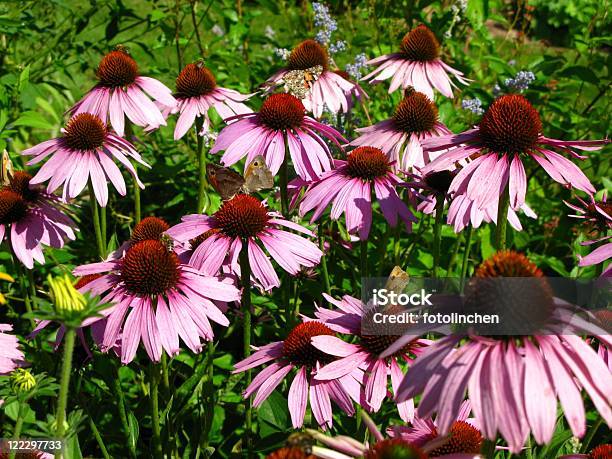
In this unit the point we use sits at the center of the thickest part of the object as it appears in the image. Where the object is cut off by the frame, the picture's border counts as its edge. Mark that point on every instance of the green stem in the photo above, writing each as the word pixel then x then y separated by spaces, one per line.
pixel 488 449
pixel 165 377
pixel 245 277
pixel 591 433
pixel 122 412
pixel 95 216
pixel 363 254
pixel 438 234
pixel 99 440
pixel 154 399
pixel 502 220
pixel 62 402
pixel 18 426
pixel 466 256
pixel 103 227
pixel 283 177
pixel 324 260
pixel 25 289
pixel 128 137
pixel 203 184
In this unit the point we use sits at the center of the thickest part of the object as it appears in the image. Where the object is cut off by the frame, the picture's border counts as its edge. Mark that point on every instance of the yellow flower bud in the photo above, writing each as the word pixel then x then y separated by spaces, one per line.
pixel 22 380
pixel 64 296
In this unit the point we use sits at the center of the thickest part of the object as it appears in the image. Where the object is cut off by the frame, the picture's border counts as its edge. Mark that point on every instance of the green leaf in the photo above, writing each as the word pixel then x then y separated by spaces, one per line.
pixel 134 430
pixel 33 119
pixel 46 106
pixel 24 78
pixel 273 415
pixel 581 72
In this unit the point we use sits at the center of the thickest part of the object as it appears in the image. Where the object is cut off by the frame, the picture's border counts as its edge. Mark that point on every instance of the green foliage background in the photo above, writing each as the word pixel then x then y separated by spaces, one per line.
pixel 49 51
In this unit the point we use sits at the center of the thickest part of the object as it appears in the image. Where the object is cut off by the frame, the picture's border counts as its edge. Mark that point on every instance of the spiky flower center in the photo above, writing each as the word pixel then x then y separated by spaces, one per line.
pixel 439 181
pixel 242 216
pixel 149 268
pixel 394 448
pixel 150 228
pixel 308 54
pixel 290 452
pixel 420 44
pixel 415 113
pixel 298 349
pixel 464 438
pixel 117 69
pixel 196 241
pixel 12 207
pixel 282 111
pixel 84 280
pixel 601 452
pixel 367 163
pixel 195 80
pixel 510 125
pixel 377 338
pixel 524 299
pixel 85 132
pixel 20 184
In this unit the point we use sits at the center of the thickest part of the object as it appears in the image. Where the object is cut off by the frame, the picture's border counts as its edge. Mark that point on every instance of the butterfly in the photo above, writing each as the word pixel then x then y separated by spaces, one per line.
pixel 228 183
pixel 397 280
pixel 7 172
pixel 300 82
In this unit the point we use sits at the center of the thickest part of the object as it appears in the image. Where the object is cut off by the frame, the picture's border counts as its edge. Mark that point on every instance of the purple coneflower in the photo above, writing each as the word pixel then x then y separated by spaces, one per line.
pixel 217 240
pixel 349 188
pixel 400 137
pixel 364 354
pixel 464 436
pixel 598 216
pixel 343 447
pixel 86 150
pixel 122 92
pixel 280 119
pixel 165 298
pixel 331 91
pixel 11 356
pixel 296 352
pixel 31 218
pixel 463 211
pixel 512 382
pixel 509 132
pixel 196 93
pixel 418 64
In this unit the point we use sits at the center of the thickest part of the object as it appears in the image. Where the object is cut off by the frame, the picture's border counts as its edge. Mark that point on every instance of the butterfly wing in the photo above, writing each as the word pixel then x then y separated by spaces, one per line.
pixel 258 176
pixel 7 172
pixel 224 180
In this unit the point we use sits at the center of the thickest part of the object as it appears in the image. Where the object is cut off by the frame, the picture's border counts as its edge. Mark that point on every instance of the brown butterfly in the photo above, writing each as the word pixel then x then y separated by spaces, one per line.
pixel 7 172
pixel 299 82
pixel 228 182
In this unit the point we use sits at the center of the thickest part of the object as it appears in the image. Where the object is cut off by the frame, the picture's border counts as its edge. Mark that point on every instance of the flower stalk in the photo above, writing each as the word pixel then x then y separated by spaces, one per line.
pixel 62 402
pixel 284 179
pixel 437 242
pixel 502 219
pixel 245 277
pixel 95 216
pixel 203 184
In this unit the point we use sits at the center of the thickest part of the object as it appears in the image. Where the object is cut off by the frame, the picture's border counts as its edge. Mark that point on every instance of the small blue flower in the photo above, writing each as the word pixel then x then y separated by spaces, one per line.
pixel 354 70
pixel 473 105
